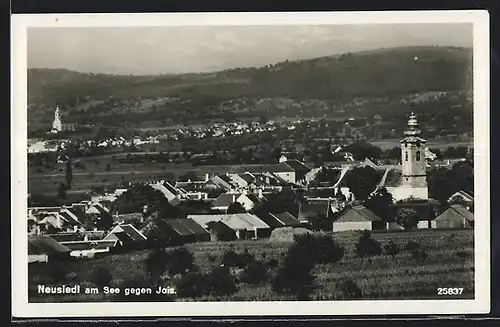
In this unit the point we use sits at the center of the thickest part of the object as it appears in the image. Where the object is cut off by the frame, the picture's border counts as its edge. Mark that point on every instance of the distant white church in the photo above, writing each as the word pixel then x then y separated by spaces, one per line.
pixel 58 126
pixel 410 180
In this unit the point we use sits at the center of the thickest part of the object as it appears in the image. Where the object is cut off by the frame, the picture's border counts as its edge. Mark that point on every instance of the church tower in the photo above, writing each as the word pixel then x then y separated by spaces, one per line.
pixel 413 161
pixel 57 124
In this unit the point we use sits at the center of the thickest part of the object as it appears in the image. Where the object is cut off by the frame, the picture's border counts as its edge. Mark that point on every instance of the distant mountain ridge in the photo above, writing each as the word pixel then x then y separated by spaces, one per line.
pixel 374 73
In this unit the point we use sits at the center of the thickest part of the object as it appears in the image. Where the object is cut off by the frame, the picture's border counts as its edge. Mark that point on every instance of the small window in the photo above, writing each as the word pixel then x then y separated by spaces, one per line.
pixel 406 155
pixel 418 155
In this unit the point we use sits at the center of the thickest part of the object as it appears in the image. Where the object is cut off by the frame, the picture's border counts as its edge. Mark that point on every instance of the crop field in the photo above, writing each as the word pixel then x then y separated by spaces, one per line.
pixel 449 263
pixel 105 171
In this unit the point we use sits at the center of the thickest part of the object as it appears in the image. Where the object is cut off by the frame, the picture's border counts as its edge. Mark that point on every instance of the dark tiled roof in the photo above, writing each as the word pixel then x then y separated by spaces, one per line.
pixel 219 227
pixel 394 178
pixel 270 220
pixel 186 227
pixel 358 214
pixel 463 212
pixel 42 244
pixel 124 237
pixel 320 192
pixel 310 209
pixel 287 219
pixel 131 232
pixel 224 200
pixel 297 166
pixel 247 177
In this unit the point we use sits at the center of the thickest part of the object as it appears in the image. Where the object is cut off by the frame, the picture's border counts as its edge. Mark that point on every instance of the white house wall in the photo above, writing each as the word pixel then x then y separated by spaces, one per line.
pixel 350 226
pixel 402 192
pixel 287 176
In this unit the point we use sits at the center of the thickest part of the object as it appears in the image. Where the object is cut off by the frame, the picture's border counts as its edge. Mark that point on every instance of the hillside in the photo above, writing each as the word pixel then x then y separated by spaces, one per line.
pixel 339 78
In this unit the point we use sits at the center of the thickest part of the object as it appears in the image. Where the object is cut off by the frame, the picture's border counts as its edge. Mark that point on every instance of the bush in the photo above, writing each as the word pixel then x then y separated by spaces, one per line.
pixel 222 282
pixel 412 246
pixel 295 276
pixel 193 284
pixel 420 255
pixel 156 263
pixel 238 260
pixel 351 290
pixel 177 261
pixel 272 263
pixel 181 261
pixel 408 218
pixel 392 249
pixel 320 248
pixel 255 273
pixel 101 276
pixel 56 272
pixel 368 246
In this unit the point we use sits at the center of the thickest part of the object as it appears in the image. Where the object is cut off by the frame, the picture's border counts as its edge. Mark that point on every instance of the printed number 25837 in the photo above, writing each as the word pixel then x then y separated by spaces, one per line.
pixel 449 290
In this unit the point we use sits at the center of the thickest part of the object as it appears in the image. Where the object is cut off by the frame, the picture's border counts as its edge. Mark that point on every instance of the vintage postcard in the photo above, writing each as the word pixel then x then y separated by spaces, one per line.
pixel 240 164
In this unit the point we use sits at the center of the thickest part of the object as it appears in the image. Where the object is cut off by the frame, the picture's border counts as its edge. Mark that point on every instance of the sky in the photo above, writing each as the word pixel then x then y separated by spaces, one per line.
pixel 185 49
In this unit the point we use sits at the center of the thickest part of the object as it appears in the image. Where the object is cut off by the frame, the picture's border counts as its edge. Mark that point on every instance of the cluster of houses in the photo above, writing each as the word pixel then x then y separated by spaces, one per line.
pixel 90 227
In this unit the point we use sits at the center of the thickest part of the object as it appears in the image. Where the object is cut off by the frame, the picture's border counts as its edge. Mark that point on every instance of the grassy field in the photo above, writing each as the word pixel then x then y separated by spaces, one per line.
pixel 450 263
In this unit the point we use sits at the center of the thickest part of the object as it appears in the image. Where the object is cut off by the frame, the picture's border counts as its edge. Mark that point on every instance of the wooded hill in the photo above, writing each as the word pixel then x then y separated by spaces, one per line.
pixel 376 73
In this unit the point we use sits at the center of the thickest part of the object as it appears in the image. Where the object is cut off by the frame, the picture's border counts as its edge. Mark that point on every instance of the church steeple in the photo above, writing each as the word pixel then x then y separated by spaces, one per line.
pixel 413 160
pixel 412 127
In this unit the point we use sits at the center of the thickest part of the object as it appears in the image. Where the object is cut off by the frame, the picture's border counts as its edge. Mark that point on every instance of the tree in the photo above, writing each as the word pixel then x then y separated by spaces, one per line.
pixel 407 218
pixel 379 202
pixel 101 276
pixel 69 173
pixel 255 273
pixel 235 207
pixel 362 181
pixel 181 261
pixel 392 249
pixel 222 282
pixel 367 246
pixel 61 191
pixel 156 263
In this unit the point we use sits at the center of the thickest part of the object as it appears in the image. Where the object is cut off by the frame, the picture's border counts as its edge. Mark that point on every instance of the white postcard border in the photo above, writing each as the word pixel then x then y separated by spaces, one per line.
pixel 20 306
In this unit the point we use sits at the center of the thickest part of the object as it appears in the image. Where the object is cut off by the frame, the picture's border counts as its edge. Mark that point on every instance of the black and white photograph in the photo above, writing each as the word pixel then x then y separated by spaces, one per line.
pixel 250 164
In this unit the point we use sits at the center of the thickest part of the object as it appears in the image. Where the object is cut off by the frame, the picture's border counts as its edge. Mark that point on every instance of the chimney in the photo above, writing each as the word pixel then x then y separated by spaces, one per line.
pixel 234 197
pixel 207 178
pixel 75 228
pixel 260 193
pixel 86 238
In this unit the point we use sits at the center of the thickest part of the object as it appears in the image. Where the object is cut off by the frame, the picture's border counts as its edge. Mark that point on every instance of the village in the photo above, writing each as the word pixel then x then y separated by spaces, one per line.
pixel 288 196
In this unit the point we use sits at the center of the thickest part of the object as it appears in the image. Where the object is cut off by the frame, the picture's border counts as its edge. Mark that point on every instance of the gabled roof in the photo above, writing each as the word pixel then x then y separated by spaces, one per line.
pixel 297 166
pixel 219 227
pixel 235 221
pixel 43 244
pixel 69 219
pixel 186 227
pixel 465 194
pixel 310 209
pixel 124 238
pixel 287 219
pixel 254 198
pixel 224 200
pixel 247 177
pixel 358 214
pixel 393 178
pixel 130 230
pixel 457 210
